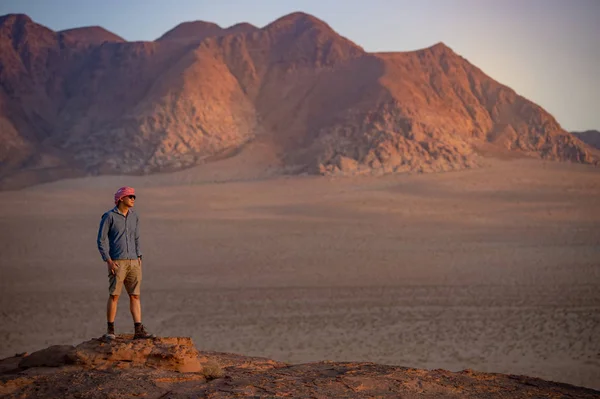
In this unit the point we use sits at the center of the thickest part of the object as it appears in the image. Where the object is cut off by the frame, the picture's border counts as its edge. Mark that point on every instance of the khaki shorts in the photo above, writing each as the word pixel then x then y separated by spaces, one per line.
pixel 128 273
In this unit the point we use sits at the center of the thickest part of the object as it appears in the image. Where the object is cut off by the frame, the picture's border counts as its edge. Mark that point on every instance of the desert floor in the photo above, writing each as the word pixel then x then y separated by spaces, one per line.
pixel 495 269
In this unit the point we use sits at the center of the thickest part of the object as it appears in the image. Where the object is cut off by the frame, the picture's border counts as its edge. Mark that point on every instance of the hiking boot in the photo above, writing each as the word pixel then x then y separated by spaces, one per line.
pixel 110 333
pixel 141 333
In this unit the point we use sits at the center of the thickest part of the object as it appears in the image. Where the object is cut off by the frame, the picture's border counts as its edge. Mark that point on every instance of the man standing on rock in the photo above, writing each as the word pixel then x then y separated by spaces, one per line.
pixel 119 246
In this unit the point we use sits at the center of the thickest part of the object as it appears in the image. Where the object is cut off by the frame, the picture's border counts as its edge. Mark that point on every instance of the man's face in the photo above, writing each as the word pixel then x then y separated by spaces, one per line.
pixel 128 201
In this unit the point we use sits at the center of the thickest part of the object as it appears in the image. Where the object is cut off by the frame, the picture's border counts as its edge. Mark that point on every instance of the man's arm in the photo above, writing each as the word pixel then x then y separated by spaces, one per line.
pixel 102 240
pixel 138 250
pixel 103 245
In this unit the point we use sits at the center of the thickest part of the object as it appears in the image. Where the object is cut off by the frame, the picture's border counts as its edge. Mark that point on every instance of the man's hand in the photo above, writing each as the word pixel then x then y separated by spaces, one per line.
pixel 112 266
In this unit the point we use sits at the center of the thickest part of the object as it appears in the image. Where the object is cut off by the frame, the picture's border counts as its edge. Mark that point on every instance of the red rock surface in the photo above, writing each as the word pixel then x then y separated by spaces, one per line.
pixel 152 369
pixel 83 102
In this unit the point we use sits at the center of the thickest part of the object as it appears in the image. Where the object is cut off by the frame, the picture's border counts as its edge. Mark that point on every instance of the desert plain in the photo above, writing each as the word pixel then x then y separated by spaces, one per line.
pixel 494 269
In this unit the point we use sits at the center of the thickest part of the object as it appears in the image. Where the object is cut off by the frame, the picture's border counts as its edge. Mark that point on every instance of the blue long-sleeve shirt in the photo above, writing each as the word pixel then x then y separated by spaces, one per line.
pixel 119 235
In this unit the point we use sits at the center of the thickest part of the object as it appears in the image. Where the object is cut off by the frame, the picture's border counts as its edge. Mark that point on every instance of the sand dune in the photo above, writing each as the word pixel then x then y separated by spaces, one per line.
pixel 494 269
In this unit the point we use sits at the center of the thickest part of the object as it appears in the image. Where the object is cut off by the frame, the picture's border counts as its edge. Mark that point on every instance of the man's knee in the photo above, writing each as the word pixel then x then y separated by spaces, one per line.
pixel 114 298
pixel 134 297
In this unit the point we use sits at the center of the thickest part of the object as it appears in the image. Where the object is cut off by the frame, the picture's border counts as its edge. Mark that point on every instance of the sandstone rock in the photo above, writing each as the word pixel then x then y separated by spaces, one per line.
pixel 153 368
pixel 175 353
pixel 53 356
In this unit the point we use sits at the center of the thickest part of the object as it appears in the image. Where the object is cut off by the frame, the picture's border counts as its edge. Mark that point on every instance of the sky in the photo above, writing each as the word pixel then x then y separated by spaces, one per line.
pixel 546 50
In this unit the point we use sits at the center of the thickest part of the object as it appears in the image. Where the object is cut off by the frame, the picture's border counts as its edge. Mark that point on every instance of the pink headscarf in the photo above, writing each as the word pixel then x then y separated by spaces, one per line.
pixel 123 192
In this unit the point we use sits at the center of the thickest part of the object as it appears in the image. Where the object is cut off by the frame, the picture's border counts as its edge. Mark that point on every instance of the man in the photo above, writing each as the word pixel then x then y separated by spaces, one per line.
pixel 119 246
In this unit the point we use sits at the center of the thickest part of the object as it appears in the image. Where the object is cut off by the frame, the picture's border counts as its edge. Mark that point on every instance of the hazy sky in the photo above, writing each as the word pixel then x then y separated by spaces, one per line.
pixel 547 50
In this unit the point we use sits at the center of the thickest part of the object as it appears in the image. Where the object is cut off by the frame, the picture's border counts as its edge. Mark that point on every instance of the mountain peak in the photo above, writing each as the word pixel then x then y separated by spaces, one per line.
pixel 440 46
pixel 242 25
pixel 19 28
pixel 199 30
pixel 299 15
pixel 199 24
pixel 439 49
pixel 15 19
pixel 196 30
pixel 303 39
pixel 298 20
pixel 91 35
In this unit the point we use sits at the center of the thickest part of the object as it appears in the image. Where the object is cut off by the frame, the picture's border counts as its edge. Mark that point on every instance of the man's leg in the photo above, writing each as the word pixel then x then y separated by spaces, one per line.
pixel 115 283
pixel 111 308
pixel 135 306
pixel 133 283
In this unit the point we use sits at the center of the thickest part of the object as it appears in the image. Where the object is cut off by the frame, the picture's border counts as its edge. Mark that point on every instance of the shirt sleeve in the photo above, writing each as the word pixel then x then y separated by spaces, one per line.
pixel 103 237
pixel 138 250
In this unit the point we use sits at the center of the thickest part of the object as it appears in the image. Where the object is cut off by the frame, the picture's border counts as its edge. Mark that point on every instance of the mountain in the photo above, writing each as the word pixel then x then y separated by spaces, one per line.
pixel 199 30
pixel 172 367
pixel 590 137
pixel 84 102
pixel 91 35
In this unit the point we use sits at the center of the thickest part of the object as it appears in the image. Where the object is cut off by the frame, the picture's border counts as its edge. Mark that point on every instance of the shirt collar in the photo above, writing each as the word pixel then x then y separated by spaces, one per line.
pixel 116 210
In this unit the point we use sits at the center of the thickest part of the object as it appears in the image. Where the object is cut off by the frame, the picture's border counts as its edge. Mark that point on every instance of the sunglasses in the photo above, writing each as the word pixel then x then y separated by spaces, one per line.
pixel 130 197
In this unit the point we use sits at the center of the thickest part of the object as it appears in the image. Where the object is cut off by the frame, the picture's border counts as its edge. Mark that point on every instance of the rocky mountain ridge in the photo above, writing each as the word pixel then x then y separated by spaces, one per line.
pixel 83 101
pixel 172 367
pixel 199 30
pixel 94 35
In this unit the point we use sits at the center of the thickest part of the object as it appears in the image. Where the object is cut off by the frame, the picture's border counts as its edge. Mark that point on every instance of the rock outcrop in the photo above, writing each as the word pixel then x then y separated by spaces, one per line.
pixel 173 368
pixel 84 101
pixel 176 354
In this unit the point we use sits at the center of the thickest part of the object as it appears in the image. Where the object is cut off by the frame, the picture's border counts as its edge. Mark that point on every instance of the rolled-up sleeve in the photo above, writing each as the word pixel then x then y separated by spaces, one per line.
pixel 138 250
pixel 103 237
